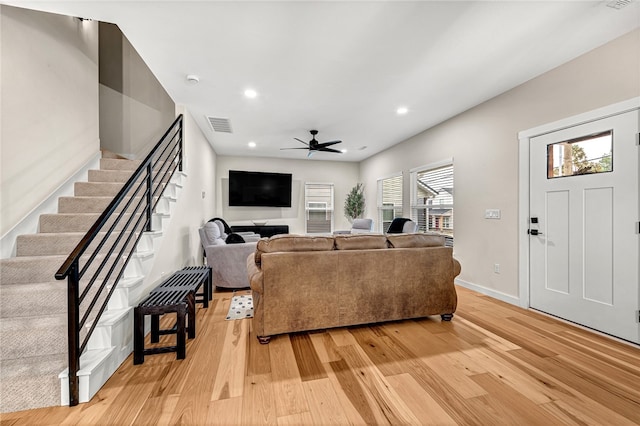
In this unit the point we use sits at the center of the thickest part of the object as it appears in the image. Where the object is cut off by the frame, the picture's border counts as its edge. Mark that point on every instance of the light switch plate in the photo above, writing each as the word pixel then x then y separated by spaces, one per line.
pixel 492 214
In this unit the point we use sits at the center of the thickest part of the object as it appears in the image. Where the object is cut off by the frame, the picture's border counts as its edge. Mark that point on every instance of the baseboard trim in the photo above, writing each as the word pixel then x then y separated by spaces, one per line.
pixel 513 300
pixel 29 225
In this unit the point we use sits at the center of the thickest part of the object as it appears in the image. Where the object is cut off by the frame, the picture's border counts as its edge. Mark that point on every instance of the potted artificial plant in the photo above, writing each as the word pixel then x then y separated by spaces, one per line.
pixel 354 203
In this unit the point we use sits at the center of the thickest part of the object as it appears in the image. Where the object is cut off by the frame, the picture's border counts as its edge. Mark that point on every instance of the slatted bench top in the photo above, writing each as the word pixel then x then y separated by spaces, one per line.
pixel 167 297
pixel 190 278
pixel 180 279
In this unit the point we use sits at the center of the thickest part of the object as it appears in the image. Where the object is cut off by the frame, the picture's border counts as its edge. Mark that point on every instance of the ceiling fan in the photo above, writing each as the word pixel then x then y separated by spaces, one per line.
pixel 314 146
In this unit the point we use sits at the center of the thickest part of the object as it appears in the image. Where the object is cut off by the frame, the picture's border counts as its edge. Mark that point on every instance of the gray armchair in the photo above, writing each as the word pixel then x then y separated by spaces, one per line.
pixel 359 226
pixel 227 261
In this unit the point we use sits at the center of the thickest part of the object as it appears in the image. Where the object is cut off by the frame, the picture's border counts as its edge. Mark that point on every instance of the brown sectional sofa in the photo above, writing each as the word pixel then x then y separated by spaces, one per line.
pixel 304 283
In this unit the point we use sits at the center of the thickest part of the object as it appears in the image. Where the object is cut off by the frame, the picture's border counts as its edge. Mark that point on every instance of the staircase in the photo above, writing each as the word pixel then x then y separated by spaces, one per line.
pixel 33 305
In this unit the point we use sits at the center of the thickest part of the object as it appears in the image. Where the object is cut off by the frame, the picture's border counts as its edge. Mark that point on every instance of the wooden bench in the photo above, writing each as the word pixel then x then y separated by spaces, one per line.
pixel 178 294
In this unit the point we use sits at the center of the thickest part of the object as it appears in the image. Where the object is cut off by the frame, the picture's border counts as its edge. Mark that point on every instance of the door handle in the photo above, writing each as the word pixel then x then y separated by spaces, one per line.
pixel 534 232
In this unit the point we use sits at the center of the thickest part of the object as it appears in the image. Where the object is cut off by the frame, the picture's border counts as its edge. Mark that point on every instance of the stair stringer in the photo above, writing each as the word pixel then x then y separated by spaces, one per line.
pixel 112 339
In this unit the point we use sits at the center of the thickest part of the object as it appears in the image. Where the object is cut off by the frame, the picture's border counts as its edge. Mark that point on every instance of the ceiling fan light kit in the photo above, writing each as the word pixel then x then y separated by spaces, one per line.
pixel 314 146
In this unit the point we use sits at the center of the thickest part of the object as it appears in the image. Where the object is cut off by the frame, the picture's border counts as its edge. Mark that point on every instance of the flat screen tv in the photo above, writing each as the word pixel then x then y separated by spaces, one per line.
pixel 259 189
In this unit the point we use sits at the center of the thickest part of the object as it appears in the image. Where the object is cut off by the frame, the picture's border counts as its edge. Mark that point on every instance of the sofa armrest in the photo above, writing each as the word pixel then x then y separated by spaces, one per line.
pixel 228 264
pixel 255 274
pixel 456 267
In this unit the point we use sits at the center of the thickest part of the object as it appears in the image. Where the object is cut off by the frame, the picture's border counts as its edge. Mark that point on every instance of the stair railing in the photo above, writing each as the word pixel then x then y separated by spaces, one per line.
pixel 99 261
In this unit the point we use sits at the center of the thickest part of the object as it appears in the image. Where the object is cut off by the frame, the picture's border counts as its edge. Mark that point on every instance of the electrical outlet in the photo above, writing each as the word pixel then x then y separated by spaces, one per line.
pixel 496 268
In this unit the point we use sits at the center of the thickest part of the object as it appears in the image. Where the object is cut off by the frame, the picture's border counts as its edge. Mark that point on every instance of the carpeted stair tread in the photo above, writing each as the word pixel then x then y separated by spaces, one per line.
pixel 86 204
pixel 47 244
pixel 100 189
pixel 32 336
pixel 31 382
pixel 37 269
pixel 119 164
pixel 21 300
pixel 29 269
pixel 109 175
pixel 56 243
pixel 76 222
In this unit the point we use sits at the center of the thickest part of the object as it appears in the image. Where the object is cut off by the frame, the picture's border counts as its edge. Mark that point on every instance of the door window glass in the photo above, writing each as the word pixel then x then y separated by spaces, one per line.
pixel 581 156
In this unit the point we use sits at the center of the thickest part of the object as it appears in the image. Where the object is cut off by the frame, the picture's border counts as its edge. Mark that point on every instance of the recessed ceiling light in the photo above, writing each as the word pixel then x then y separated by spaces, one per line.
pixel 343 151
pixel 402 110
pixel 193 79
pixel 250 93
pixel 252 144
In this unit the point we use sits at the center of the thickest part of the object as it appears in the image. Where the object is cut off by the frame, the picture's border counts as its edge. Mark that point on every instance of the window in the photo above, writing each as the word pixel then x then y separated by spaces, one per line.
pixel 432 198
pixel 389 200
pixel 318 200
pixel 581 156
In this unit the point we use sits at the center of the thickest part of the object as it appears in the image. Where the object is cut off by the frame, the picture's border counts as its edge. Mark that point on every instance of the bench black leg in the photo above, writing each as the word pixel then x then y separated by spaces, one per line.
pixel 191 308
pixel 155 328
pixel 138 336
pixel 180 336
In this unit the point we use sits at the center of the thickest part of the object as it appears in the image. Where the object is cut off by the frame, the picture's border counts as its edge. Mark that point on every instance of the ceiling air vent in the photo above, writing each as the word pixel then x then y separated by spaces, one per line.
pixel 220 124
pixel 619 4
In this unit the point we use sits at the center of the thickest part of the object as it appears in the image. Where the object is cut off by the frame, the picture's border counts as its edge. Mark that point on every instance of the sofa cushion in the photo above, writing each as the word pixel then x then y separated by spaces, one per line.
pixel 360 242
pixel 291 242
pixel 415 240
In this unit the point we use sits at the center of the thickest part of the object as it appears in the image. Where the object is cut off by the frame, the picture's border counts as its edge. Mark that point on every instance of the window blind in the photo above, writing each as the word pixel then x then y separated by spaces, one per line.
pixel 318 207
pixel 389 200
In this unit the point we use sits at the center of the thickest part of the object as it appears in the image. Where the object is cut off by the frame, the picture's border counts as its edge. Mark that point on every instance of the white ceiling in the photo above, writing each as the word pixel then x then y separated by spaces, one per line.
pixel 344 68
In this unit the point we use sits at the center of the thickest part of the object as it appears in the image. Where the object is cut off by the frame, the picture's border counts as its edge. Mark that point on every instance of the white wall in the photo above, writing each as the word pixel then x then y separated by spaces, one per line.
pixel 49 106
pixel 343 175
pixel 484 145
pixel 181 242
pixel 135 110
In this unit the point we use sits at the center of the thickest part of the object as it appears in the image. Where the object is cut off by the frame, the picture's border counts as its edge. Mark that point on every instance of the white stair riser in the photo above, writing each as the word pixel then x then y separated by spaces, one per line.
pixel 126 294
pixel 114 333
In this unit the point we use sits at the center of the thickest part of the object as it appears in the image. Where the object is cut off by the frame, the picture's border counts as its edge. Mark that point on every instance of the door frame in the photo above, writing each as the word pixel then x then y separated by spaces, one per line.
pixel 524 138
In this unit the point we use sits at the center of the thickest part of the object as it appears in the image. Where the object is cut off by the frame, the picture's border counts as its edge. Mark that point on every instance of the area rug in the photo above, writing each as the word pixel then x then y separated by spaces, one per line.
pixel 241 307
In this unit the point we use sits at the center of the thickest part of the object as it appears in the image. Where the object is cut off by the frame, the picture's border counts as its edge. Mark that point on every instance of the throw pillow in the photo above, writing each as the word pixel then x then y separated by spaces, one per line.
pixel 211 232
pixel 220 225
pixel 234 239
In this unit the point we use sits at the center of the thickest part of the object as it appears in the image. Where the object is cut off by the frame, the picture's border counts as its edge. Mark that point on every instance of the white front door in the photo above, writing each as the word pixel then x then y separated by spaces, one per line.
pixel 585 248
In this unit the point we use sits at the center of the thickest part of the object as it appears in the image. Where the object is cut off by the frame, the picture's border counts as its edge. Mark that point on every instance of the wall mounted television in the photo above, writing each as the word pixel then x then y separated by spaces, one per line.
pixel 259 189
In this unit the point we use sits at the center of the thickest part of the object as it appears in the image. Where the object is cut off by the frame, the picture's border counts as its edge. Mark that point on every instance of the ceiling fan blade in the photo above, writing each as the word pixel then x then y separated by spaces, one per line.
pixel 329 150
pixel 326 144
pixel 300 140
pixel 292 148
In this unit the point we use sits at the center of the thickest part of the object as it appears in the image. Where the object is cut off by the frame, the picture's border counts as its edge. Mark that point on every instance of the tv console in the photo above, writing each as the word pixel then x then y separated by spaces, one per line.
pixel 264 231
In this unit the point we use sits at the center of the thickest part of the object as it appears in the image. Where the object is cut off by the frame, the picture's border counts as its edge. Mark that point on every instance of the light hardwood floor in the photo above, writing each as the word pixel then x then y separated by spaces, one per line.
pixel 493 364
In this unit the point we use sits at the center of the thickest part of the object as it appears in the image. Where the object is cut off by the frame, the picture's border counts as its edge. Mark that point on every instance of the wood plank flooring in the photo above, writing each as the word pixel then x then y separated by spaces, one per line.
pixel 494 364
